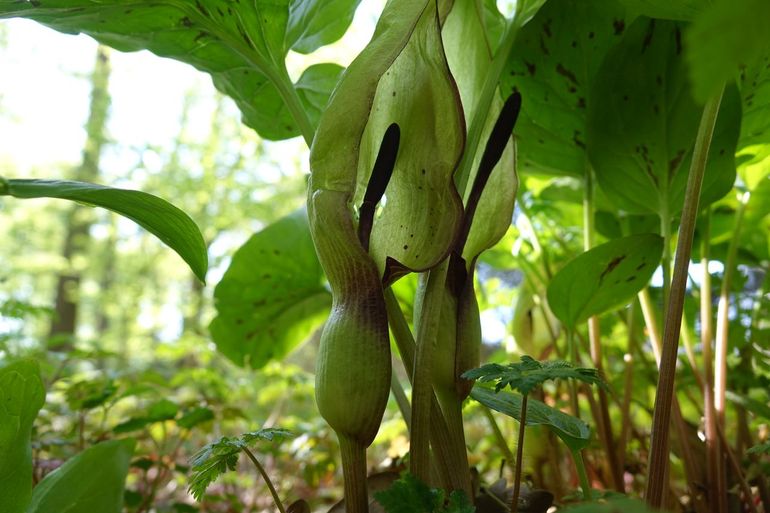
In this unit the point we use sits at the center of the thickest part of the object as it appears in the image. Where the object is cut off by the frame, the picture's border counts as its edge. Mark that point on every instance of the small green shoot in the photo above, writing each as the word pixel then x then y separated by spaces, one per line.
pixel 524 377
pixel 410 495
pixel 218 457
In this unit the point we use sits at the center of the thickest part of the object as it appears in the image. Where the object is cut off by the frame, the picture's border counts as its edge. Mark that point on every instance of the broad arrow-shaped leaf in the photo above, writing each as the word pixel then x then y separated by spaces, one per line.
pixel 553 64
pixel 241 44
pixel 681 10
pixel 21 397
pixel 89 482
pixel 603 277
pixel 723 40
pixel 272 296
pixel 641 129
pixel 159 217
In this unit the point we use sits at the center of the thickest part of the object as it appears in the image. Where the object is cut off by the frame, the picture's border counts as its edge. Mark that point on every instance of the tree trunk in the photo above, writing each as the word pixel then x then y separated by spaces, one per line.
pixel 79 219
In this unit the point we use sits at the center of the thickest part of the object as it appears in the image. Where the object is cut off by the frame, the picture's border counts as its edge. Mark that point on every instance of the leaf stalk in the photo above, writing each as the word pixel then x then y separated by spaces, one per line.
pixel 657 480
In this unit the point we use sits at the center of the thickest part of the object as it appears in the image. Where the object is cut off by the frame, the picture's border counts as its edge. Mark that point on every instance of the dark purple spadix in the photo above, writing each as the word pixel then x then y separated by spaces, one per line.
pixel 378 182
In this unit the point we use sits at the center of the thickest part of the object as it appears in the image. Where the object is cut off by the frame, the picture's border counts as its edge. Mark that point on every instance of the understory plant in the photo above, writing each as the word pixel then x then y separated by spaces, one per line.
pixel 413 169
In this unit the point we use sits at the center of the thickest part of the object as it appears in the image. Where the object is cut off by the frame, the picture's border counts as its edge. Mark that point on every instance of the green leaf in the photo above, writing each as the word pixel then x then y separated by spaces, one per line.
pixel 763 448
pixel 724 38
pixel 21 397
pixel 272 296
pixel 410 495
pixel 218 457
pixel 162 410
pixel 494 23
pixel 641 134
pixel 172 226
pixel 553 64
pixel 604 277
pixel 758 408
pixel 315 86
pixel 682 10
pixel 89 394
pixel 241 44
pixel 574 432
pixel 611 506
pixel 753 153
pixel 315 23
pixel 529 374
pixel 132 424
pixel 194 417
pixel 90 481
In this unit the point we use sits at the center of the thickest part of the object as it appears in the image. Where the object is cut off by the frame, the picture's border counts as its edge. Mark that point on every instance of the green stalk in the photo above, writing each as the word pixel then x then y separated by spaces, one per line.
pixel 354 473
pixel 288 93
pixel 401 400
pixel 452 408
pixel 439 436
pixel 585 484
pixel 720 370
pixel 690 465
pixel 594 336
pixel 269 483
pixel 659 447
pixel 422 389
pixel 519 455
pixel 499 437
pixel 572 352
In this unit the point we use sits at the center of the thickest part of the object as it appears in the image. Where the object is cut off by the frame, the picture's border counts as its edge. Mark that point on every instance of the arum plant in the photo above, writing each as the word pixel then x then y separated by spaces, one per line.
pixel 524 377
pixel 402 79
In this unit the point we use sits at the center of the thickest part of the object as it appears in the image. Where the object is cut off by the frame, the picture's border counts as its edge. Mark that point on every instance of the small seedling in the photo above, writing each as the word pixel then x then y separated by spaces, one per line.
pixel 524 377
pixel 218 457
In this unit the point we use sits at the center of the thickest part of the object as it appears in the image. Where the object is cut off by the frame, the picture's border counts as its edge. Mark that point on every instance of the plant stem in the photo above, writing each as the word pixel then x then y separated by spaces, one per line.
pixel 659 447
pixel 269 483
pixel 422 389
pixel 628 360
pixel 452 407
pixel 602 420
pixel 720 366
pixel 354 473
pixel 585 484
pixel 401 400
pixel 689 350
pixel 717 494
pixel 572 352
pixel 519 454
pixel 737 470
pixel 290 97
pixel 499 437
pixel 690 466
pixel 439 436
